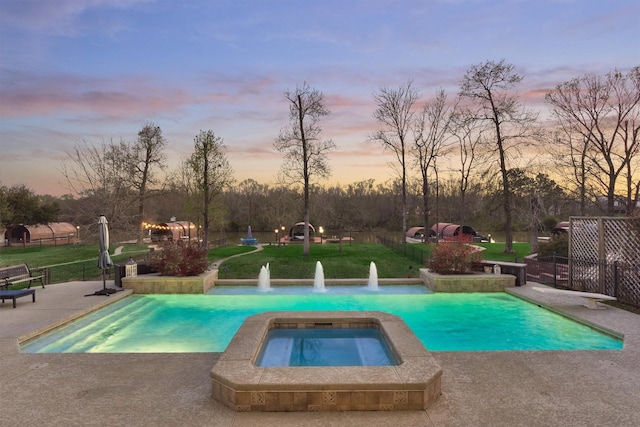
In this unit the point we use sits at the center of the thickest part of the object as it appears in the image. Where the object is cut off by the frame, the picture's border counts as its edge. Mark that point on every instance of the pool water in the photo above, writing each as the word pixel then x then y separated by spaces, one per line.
pixel 325 347
pixel 206 323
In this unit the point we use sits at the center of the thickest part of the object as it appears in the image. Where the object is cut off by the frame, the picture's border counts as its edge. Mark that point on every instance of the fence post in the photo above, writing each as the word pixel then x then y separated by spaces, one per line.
pixel 615 278
pixel 555 271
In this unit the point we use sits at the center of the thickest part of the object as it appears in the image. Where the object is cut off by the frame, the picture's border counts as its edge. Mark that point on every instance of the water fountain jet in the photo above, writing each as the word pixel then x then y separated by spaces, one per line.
pixel 373 277
pixel 264 279
pixel 318 281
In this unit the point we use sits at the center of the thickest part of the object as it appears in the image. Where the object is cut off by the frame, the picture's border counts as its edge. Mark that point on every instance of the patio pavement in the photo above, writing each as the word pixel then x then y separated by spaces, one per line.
pixel 528 388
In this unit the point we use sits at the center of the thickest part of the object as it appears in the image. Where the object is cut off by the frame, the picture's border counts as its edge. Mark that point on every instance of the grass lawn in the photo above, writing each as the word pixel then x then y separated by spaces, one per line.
pixel 42 256
pixel 287 262
pixel 227 251
pixel 495 251
pixel 77 262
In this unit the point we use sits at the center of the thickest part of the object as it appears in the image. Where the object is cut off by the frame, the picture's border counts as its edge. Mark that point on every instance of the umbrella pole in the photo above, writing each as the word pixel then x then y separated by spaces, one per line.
pixel 103 260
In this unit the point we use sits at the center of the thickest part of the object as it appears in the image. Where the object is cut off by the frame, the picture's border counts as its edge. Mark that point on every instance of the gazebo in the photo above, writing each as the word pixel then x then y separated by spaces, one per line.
pixel 417 234
pixel 175 230
pixel 44 234
pixel 446 231
pixel 296 232
pixel 560 228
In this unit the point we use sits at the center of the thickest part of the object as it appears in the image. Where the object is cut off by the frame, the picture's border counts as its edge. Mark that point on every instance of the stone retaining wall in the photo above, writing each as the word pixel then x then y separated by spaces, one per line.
pixel 478 282
pixel 156 284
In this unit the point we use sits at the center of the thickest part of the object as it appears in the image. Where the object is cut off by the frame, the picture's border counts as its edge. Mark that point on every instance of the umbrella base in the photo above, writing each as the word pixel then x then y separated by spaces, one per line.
pixel 105 291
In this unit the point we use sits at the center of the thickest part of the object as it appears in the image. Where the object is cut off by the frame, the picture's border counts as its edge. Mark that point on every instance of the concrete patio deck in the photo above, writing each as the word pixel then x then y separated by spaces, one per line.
pixel 528 388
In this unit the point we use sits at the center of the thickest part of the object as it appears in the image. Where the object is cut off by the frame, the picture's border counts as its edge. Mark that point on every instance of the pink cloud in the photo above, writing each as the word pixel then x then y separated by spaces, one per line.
pixel 54 95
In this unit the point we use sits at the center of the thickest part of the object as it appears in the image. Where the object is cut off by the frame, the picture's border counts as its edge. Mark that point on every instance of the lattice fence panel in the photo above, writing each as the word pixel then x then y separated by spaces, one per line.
pixel 584 271
pixel 605 256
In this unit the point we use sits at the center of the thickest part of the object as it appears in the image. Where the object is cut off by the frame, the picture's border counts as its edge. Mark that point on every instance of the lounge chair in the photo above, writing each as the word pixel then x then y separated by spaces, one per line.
pixel 17 293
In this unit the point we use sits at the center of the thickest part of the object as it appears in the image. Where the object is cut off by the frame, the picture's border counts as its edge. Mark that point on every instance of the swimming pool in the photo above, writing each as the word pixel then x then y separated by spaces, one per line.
pixel 206 323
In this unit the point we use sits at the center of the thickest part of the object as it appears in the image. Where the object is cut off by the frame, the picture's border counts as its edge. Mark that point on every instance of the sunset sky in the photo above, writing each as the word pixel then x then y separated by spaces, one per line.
pixel 94 70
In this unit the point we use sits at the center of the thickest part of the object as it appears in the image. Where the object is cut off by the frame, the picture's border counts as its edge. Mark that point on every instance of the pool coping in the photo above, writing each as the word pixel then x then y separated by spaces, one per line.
pixel 237 382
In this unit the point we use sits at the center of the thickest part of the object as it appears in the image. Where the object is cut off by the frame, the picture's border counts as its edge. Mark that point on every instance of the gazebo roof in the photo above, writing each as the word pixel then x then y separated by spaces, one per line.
pixel 48 231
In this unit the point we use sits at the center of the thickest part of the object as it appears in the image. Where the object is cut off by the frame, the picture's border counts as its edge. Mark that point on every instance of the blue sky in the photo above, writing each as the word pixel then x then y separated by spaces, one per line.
pixel 92 70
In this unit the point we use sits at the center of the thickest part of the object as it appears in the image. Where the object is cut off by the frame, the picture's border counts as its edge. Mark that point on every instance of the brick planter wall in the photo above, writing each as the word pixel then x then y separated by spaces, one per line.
pixel 478 282
pixel 155 284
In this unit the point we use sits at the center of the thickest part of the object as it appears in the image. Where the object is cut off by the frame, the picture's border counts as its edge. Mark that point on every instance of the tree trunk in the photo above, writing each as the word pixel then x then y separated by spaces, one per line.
pixel 404 196
pixel 205 202
pixel 506 195
pixel 425 209
pixel 140 219
pixel 533 224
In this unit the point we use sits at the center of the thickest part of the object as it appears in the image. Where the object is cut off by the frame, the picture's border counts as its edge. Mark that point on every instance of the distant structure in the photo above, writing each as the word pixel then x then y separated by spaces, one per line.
pixel 54 233
pixel 296 232
pixel 174 231
pixel 560 229
pixel 447 231
pixel 444 231
pixel 416 234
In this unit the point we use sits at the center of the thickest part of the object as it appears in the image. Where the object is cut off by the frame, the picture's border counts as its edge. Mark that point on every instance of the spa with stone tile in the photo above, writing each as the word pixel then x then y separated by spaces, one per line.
pixel 413 384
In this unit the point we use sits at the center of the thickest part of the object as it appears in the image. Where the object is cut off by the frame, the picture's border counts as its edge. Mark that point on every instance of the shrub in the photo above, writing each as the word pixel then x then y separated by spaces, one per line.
pixel 557 245
pixel 453 258
pixel 180 259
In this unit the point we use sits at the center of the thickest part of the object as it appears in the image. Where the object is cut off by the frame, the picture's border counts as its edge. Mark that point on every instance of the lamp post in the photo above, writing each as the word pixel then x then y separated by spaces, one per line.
pixel 78 232
pixel 321 230
pixel 276 233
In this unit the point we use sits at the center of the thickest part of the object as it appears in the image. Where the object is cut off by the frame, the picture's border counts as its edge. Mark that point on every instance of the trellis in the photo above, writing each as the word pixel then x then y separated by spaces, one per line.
pixel 604 256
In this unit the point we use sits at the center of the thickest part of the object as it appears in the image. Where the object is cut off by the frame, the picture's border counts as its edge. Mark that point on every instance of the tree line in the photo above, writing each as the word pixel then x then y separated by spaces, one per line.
pixel 480 156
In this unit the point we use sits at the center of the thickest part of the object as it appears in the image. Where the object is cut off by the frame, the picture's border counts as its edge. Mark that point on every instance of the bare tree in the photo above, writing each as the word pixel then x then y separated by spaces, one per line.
pixel 212 173
pixel 181 191
pixel 102 176
pixel 305 153
pixel 568 150
pixel 431 141
pixel 395 114
pixel 489 86
pixel 146 155
pixel 251 196
pixel 605 112
pixel 468 133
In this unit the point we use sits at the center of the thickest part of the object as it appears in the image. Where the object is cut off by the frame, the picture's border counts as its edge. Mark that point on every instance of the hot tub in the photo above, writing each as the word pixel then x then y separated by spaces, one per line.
pixel 325 346
pixel 412 384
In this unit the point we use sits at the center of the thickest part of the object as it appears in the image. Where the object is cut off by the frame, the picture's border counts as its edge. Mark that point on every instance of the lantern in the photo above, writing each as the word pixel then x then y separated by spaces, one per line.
pixel 131 268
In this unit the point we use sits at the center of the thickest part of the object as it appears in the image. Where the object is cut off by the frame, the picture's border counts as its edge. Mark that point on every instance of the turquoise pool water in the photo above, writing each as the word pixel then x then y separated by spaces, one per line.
pixel 206 323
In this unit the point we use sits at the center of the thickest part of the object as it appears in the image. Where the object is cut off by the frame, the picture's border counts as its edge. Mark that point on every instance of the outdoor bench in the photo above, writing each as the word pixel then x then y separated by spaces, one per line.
pixel 17 293
pixel 21 273
pixel 517 269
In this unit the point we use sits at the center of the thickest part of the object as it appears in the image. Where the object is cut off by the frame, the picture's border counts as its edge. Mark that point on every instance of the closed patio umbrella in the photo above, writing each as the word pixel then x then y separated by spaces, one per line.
pixel 104 260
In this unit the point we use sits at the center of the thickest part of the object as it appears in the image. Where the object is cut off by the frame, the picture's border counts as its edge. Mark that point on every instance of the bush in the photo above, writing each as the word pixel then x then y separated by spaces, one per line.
pixel 453 258
pixel 557 245
pixel 180 259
